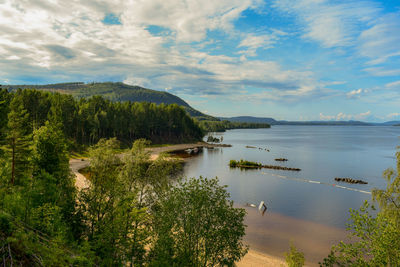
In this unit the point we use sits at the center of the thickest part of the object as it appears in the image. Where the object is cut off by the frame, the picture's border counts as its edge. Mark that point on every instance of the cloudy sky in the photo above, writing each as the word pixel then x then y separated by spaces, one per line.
pixel 295 60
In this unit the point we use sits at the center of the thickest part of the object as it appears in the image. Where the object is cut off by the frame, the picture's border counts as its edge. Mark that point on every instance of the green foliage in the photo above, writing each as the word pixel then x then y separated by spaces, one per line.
pixel 222 126
pixel 17 140
pixel 233 163
pixel 244 163
pixel 375 239
pixel 115 206
pixel 53 182
pixel 117 92
pixel 115 221
pixel 4 110
pixel 212 139
pixel 87 121
pixel 38 212
pixel 389 199
pixel 294 258
pixel 196 225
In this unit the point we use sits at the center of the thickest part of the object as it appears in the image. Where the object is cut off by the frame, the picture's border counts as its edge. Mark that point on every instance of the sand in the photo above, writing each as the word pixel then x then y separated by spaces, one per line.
pixel 256 259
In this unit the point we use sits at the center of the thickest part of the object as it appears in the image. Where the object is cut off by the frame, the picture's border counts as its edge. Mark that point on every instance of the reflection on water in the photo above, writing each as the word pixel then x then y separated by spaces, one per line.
pixel 273 232
pixel 322 153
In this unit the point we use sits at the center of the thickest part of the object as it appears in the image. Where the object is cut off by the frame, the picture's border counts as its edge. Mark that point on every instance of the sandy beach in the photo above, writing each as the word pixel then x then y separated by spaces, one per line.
pixel 256 259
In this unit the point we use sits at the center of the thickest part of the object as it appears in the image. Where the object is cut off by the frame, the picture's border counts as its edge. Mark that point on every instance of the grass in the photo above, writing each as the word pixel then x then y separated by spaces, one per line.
pixel 244 163
pixel 84 154
pixel 255 165
pixel 79 155
pixel 85 172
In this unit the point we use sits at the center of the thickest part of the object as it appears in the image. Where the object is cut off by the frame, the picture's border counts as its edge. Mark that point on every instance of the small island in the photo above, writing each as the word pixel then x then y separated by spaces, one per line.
pixel 245 164
pixel 281 159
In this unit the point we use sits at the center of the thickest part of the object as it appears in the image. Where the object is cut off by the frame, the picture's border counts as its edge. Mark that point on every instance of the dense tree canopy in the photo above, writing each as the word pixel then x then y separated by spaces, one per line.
pixel 86 121
pixel 222 126
pixel 196 226
pixel 114 221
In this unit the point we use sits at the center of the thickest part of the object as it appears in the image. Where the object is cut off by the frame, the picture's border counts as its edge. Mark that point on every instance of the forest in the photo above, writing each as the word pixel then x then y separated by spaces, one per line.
pixel 222 126
pixel 134 211
pixel 86 121
pixel 115 91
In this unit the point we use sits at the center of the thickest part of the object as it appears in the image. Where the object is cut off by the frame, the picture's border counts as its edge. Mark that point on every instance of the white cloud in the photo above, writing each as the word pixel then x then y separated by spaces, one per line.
pixel 253 42
pixel 189 20
pixel 356 93
pixel 326 117
pixel 341 116
pixel 63 40
pixel 362 25
pixel 383 71
pixel 392 85
pixel 330 23
pixel 140 81
pixel 393 115
pixel 381 41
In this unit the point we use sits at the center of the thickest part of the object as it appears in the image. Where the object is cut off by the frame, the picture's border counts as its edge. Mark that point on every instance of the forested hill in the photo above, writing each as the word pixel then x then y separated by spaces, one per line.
pixel 87 120
pixel 115 92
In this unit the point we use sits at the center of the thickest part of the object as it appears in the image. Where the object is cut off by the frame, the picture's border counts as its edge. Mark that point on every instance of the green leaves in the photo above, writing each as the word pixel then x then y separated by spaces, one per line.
pixel 375 239
pixel 196 225
pixel 294 258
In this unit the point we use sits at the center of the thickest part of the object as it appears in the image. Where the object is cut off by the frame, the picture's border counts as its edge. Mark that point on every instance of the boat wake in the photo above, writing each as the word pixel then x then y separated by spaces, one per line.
pixel 315 182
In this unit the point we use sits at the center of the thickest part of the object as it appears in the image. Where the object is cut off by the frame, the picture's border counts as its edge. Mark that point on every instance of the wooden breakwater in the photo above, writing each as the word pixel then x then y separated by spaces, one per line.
pixel 350 180
pixel 255 165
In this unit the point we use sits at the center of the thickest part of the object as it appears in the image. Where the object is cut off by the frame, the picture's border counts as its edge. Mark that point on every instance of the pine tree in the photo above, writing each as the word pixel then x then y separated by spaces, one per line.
pixel 17 138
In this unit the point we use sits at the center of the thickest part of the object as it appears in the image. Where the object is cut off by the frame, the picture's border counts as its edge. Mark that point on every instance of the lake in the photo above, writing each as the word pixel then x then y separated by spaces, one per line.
pixel 310 196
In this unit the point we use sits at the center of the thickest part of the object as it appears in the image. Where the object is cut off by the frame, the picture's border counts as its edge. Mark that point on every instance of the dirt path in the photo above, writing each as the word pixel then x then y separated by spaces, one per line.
pixel 75 165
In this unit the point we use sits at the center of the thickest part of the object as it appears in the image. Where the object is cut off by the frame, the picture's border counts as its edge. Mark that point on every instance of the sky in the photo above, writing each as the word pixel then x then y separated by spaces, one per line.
pixel 285 59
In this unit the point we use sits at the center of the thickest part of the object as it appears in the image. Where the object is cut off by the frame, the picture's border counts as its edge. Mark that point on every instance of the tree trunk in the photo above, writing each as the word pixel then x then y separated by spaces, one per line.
pixel 13 164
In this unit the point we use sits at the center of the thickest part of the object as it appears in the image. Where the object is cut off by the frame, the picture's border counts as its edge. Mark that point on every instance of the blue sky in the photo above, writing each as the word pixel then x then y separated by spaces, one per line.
pixel 293 60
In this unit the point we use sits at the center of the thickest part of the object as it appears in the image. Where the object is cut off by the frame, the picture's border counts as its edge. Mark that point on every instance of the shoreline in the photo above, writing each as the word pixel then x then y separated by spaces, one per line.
pixel 271 235
pixel 255 258
pixel 272 232
pixel 76 164
pixel 156 151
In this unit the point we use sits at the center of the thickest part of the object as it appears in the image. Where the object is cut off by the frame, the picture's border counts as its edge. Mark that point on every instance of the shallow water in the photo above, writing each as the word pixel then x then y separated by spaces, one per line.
pixel 322 152
pixel 306 207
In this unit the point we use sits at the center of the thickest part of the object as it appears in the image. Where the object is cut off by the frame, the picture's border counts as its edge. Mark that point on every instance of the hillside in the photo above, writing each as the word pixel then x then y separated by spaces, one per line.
pixel 115 92
pixel 250 119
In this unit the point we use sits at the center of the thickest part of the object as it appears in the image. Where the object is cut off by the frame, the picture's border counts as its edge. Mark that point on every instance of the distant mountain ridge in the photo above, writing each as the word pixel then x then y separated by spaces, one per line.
pixel 249 119
pixel 272 121
pixel 115 91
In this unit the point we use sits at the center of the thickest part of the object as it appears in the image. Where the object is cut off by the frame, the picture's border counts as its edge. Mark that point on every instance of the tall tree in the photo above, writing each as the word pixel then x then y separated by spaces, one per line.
pixel 145 181
pixel 52 176
pixel 196 225
pixel 5 98
pixel 17 138
pixel 375 239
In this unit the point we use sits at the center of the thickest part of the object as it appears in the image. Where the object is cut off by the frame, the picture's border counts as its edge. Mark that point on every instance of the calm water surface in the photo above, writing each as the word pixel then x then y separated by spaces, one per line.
pixel 322 152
